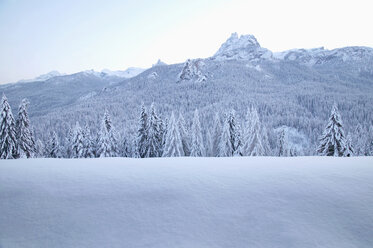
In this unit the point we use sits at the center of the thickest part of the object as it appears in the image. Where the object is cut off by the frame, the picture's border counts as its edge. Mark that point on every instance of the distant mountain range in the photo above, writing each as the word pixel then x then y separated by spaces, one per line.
pixel 294 88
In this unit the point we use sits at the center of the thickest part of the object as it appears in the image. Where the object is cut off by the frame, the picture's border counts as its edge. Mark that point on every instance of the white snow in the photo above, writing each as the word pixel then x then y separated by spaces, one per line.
pixel 129 73
pixel 187 202
pixel 42 77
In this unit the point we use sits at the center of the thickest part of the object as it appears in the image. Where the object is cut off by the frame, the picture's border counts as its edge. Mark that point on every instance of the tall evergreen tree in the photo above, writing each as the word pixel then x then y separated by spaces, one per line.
pixel 173 145
pixel 253 140
pixel 8 139
pixel 184 134
pixel 235 133
pixel 68 144
pixel 39 149
pixel 88 145
pixel 349 151
pixel 53 147
pixel 197 147
pixel 283 150
pixel 154 137
pixel 77 148
pixel 225 145
pixel 107 141
pixel 26 143
pixel 216 134
pixel 333 141
pixel 141 149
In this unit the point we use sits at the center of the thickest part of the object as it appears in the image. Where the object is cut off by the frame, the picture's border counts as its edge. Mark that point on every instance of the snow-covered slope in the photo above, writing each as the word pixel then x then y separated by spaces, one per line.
pixel 42 77
pixel 129 73
pixel 187 202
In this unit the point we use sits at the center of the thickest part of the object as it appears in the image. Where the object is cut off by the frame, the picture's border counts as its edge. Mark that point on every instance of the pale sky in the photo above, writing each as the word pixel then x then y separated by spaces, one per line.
pixel 38 36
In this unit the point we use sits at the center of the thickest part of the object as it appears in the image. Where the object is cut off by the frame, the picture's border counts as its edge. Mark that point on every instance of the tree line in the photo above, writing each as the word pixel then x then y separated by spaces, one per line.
pixel 158 137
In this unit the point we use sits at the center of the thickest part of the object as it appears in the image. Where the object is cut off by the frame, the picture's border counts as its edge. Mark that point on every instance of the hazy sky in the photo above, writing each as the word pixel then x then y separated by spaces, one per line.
pixel 39 36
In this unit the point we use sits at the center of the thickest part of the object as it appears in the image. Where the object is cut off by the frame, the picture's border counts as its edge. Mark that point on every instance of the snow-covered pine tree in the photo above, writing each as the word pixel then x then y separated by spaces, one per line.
pixel 53 147
pixel 8 139
pixel 173 145
pixel 333 141
pixel 216 134
pixel 283 150
pixel 254 143
pixel 225 145
pixel 235 133
pixel 197 147
pixel 39 149
pixel 88 146
pixel 107 141
pixel 77 147
pixel 68 144
pixel 249 122
pixel 25 139
pixel 360 140
pixel 184 134
pixel 142 134
pixel 349 151
pixel 154 137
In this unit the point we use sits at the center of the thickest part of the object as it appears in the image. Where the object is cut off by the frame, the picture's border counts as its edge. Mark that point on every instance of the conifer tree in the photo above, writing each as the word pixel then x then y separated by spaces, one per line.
pixel 216 134
pixel 8 139
pixel 53 148
pixel 184 134
pixel 88 146
pixel 39 149
pixel 197 148
pixel 283 150
pixel 107 141
pixel 349 151
pixel 333 141
pixel 68 143
pixel 255 136
pixel 154 137
pixel 173 144
pixel 77 147
pixel 142 134
pixel 25 139
pixel 235 133
pixel 225 145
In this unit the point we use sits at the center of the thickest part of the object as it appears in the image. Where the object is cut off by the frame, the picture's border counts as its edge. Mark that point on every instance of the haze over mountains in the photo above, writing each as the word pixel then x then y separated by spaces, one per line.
pixel 294 88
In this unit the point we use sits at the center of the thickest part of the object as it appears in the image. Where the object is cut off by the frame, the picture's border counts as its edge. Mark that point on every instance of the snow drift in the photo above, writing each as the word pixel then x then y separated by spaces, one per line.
pixel 187 202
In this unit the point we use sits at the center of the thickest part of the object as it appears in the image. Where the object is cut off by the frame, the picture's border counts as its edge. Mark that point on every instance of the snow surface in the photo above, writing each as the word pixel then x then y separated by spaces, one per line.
pixel 187 202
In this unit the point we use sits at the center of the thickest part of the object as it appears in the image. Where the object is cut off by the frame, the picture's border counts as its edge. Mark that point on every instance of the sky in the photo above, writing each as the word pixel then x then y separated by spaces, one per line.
pixel 38 36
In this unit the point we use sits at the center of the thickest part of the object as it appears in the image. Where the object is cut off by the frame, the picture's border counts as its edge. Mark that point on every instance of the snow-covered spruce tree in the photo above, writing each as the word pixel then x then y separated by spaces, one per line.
pixel 349 151
pixel 142 134
pixel 8 139
pixel 360 140
pixel 107 142
pixel 333 141
pixel 77 146
pixel 39 149
pixel 67 152
pixel 235 133
pixel 154 136
pixel 283 150
pixel 53 147
pixel 197 147
pixel 88 145
pixel 184 134
pixel 25 139
pixel 265 141
pixel 173 145
pixel 248 129
pixel 216 134
pixel 225 145
pixel 253 142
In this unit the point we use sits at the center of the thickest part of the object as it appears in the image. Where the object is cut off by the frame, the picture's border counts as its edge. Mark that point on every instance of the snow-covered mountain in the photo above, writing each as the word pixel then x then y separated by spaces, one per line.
pixel 245 47
pixel 129 73
pixel 42 77
pixel 293 89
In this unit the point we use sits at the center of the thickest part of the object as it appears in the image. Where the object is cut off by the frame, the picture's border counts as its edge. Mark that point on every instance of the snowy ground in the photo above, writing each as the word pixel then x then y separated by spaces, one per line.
pixel 187 202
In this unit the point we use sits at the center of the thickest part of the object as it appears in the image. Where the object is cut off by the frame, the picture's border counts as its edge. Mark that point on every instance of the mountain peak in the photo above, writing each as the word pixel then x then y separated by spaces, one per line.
pixel 241 47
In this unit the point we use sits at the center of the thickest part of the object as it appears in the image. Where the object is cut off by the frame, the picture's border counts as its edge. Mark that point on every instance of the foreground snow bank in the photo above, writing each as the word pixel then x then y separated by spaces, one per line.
pixel 187 202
